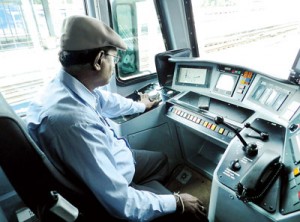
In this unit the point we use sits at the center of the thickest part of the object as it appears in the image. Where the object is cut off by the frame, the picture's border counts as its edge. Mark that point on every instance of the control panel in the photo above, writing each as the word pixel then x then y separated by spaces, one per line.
pixel 233 82
pixel 252 156
pixel 201 122
pixel 199 111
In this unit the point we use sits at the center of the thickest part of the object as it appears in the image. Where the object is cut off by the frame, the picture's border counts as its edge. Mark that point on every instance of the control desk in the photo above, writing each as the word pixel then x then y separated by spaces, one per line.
pixel 240 127
pixel 255 118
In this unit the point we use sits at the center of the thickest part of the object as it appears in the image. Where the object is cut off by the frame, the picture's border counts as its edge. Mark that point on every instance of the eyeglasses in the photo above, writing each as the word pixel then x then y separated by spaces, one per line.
pixel 116 58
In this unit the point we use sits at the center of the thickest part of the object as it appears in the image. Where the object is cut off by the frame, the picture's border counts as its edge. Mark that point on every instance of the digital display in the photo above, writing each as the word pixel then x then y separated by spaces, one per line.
pixel 226 83
pixel 197 76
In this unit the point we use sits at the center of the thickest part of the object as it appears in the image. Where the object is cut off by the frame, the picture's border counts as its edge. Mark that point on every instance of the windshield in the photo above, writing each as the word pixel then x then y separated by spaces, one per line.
pixel 260 34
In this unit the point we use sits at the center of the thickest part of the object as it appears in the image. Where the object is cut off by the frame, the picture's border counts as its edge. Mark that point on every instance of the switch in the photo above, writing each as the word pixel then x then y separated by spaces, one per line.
pixel 235 165
pixel 296 171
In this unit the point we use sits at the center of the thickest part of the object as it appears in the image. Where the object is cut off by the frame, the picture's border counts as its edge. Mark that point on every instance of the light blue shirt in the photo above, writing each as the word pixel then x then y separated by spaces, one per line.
pixel 68 121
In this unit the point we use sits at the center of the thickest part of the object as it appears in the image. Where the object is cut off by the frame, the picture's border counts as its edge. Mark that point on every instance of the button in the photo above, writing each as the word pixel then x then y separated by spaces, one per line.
pixel 225 132
pixel 213 127
pixel 296 171
pixel 194 119
pixel 198 120
pixel 231 134
pixel 235 165
pixel 240 91
pixel 208 125
pixel 205 123
pixel 221 130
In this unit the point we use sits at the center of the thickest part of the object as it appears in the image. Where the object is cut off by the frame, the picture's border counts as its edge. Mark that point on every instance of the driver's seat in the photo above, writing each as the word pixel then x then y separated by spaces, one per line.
pixel 36 180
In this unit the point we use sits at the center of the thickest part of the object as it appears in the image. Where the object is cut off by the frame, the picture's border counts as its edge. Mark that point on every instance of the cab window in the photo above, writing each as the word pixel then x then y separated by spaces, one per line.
pixel 137 23
pixel 261 34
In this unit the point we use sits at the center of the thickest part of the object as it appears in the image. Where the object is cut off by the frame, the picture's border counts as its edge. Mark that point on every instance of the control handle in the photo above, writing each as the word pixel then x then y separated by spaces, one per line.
pixel 250 149
pixel 263 135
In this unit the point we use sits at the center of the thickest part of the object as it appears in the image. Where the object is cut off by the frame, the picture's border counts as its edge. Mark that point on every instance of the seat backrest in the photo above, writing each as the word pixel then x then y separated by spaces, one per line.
pixel 32 174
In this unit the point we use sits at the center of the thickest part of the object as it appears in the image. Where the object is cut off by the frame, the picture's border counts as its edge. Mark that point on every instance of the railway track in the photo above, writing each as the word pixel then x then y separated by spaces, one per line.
pixel 247 37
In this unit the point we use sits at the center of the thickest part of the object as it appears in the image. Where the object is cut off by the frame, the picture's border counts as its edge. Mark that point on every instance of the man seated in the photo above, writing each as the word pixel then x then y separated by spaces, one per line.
pixel 68 121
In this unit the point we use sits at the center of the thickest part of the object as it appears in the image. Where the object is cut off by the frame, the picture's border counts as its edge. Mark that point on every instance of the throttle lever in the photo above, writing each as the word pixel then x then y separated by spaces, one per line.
pixel 263 135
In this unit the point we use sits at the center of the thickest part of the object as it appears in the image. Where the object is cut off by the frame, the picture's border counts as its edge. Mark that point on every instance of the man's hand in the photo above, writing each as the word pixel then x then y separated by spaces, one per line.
pixel 193 207
pixel 145 99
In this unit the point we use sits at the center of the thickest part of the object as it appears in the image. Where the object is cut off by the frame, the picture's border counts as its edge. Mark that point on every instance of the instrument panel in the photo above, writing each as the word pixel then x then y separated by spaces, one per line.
pixel 221 79
pixel 254 105
pixel 237 85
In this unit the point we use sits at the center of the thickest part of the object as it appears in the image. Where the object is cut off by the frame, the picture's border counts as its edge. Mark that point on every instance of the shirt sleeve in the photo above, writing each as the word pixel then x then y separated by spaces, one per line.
pixel 88 153
pixel 114 105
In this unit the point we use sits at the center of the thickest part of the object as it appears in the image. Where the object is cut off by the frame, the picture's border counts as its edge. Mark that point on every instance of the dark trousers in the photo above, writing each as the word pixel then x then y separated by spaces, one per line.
pixel 151 171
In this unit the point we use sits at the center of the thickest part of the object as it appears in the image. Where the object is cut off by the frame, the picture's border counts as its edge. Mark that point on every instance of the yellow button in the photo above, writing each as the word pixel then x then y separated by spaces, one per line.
pixel 213 127
pixel 296 171
pixel 221 130
pixel 205 123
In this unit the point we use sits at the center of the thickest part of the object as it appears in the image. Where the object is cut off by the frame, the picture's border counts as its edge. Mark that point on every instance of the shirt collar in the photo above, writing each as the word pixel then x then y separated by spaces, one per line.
pixel 78 88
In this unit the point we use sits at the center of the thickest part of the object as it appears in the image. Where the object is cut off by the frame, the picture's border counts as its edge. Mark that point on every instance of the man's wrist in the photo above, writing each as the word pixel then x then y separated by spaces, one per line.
pixel 179 203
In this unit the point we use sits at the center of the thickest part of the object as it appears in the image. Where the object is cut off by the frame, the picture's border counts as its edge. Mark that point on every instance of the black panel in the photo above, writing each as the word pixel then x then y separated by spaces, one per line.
pixel 219 108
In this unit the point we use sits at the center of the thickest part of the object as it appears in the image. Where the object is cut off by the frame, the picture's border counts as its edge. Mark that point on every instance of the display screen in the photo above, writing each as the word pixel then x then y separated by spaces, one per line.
pixel 226 83
pixel 197 76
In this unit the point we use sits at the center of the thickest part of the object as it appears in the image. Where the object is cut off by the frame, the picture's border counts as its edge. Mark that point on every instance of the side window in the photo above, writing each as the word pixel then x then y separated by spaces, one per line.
pixel 29 34
pixel 125 23
pixel 137 23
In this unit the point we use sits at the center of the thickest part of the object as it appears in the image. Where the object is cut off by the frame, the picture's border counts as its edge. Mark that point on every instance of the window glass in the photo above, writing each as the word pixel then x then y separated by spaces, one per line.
pixel 29 34
pixel 259 34
pixel 137 23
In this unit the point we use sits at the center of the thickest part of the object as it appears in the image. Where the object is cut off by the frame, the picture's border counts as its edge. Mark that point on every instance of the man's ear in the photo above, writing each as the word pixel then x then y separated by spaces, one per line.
pixel 97 61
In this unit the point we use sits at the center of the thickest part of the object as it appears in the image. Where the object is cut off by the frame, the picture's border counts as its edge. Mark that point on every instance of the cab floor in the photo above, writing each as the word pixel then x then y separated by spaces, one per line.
pixel 187 180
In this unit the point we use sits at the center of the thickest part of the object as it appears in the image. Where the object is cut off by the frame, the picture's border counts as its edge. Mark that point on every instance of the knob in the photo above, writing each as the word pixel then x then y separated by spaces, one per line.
pixel 235 165
pixel 293 127
pixel 251 149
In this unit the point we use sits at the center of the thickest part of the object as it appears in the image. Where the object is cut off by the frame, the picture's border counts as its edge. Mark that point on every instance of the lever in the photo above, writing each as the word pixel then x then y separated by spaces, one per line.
pixel 263 135
pixel 250 149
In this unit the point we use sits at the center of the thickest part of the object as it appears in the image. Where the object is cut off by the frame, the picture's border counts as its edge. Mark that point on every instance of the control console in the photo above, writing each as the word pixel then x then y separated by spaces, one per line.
pixel 253 164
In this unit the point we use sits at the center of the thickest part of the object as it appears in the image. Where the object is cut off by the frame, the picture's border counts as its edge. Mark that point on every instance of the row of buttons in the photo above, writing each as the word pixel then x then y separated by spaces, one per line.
pixel 245 80
pixel 202 122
